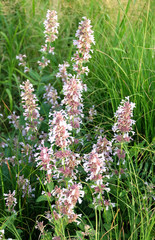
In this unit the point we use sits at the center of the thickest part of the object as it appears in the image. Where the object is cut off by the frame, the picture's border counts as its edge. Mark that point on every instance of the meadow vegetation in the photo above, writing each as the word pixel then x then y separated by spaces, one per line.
pixel 77 136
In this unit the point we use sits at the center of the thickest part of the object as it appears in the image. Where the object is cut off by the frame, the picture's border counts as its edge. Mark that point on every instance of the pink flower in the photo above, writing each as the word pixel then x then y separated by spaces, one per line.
pixel 24 185
pixel 45 160
pixel 59 131
pixel 73 96
pixel 22 62
pixel 95 167
pixel 123 126
pixel 10 200
pixel 44 62
pixel 66 200
pixel 63 72
pixel 104 147
pixel 51 95
pixel 31 109
pixel 69 163
pixel 83 43
pixel 51 26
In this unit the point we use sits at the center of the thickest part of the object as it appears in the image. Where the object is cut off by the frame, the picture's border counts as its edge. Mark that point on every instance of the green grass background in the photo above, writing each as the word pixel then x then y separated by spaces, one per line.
pixel 123 64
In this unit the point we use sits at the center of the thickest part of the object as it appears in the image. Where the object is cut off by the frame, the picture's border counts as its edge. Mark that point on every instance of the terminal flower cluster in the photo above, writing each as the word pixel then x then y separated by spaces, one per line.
pixel 51 24
pixel 44 62
pixel 22 62
pixel 51 95
pixel 104 148
pixel 63 72
pixel 14 119
pixel 72 90
pixel 83 43
pixel 94 166
pixel 66 168
pixel 66 200
pixel 11 201
pixel 123 126
pixel 25 186
pixel 44 159
pixel 31 109
pixel 60 130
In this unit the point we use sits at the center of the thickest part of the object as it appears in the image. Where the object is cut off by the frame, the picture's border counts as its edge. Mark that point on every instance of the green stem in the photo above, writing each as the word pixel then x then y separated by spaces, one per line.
pixel 2 183
pixel 96 235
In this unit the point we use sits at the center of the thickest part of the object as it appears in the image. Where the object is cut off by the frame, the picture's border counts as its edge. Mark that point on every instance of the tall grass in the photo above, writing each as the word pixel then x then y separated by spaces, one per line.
pixel 122 65
pixel 123 60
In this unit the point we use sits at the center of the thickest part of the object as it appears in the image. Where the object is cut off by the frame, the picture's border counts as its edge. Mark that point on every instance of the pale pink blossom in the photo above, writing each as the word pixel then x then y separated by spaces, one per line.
pixel 45 160
pixel 22 62
pixel 51 95
pixel 14 119
pixel 85 39
pixel 51 26
pixel 66 200
pixel 31 109
pixel 95 167
pixel 124 123
pixel 11 201
pixel 25 186
pixel 63 72
pixel 44 62
pixel 72 90
pixel 123 126
pixel 60 130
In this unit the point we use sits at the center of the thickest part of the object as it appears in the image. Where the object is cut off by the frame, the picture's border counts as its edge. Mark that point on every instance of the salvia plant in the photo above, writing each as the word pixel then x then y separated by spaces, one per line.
pixel 63 172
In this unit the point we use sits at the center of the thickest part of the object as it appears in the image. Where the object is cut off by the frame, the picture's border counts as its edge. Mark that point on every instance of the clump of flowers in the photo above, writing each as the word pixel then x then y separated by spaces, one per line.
pixel 44 62
pixel 44 159
pixel 92 112
pixel 14 119
pixel 123 126
pixel 59 131
pixel 25 186
pixel 83 43
pixel 63 72
pixel 72 90
pixel 10 200
pixel 66 162
pixel 66 200
pixel 50 32
pixel 31 109
pixel 51 26
pixel 58 154
pixel 51 95
pixel 22 62
pixel 104 148
pixel 95 167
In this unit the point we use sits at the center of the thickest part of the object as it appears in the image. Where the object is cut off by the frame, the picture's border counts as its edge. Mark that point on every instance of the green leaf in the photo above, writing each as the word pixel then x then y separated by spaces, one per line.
pixel 50 186
pixel 79 235
pixel 107 226
pixel 10 98
pixel 43 198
